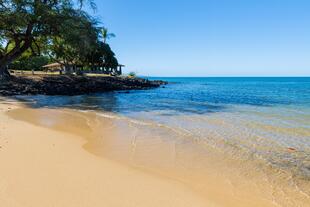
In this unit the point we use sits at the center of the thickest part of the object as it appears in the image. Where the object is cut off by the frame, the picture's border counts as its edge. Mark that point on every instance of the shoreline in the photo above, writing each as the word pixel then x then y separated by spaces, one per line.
pixel 43 167
pixel 215 185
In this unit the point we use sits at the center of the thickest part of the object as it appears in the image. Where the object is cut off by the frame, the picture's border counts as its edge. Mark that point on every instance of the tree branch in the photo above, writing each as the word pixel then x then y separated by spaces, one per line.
pixel 36 44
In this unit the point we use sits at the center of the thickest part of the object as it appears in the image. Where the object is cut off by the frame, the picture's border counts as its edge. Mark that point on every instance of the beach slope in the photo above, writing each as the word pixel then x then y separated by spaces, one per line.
pixel 43 167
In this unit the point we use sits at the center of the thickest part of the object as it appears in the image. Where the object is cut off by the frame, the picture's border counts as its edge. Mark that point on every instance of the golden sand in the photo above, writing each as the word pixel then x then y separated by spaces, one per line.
pixel 59 158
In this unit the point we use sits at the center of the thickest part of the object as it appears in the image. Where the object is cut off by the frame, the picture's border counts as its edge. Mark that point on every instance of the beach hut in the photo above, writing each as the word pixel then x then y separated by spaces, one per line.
pixel 53 67
pixel 106 69
pixel 119 69
pixel 61 67
pixel 69 68
pixel 113 71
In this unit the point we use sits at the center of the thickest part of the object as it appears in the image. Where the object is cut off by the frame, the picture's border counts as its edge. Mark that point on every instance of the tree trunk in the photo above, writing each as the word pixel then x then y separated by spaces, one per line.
pixel 4 73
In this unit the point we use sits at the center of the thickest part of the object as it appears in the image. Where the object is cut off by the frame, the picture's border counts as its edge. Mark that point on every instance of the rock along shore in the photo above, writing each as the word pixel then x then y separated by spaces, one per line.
pixel 72 85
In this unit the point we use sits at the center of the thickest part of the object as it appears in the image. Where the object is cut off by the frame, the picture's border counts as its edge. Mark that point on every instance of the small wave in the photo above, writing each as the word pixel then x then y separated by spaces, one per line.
pixel 119 117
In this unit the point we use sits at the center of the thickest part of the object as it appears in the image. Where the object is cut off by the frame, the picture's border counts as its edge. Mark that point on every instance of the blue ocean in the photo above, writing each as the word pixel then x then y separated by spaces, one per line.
pixel 259 118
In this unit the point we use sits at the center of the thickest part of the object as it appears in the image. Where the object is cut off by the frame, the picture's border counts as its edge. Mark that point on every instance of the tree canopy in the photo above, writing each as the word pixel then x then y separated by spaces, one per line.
pixel 60 29
pixel 106 35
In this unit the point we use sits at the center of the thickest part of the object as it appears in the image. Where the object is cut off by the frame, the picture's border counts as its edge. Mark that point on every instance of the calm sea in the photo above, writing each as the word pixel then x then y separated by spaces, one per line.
pixel 259 118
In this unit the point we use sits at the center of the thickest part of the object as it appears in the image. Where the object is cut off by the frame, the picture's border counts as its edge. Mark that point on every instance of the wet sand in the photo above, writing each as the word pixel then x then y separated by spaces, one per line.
pixel 68 158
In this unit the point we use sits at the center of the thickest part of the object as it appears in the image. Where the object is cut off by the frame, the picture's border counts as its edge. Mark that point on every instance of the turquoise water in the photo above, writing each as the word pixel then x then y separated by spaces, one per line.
pixel 196 95
pixel 258 118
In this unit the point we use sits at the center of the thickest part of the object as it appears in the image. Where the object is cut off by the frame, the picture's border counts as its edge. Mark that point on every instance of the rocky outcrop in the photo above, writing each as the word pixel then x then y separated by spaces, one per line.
pixel 72 85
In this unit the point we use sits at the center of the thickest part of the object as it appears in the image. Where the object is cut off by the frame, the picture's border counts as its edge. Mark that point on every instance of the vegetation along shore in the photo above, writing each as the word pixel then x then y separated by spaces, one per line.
pixel 57 43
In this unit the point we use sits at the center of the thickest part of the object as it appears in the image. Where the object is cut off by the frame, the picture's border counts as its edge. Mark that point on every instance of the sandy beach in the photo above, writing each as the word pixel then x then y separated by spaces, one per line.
pixel 57 157
pixel 42 167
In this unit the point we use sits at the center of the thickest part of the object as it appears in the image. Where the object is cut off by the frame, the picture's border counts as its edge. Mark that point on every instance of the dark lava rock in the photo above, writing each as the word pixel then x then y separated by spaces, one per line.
pixel 72 85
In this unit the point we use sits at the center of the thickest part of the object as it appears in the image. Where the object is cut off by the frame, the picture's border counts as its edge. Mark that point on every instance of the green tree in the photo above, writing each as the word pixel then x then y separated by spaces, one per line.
pixel 25 23
pixel 74 44
pixel 106 35
pixel 30 63
pixel 102 55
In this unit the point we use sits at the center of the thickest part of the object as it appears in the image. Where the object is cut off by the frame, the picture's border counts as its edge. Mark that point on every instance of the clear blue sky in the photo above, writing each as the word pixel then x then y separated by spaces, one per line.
pixel 210 37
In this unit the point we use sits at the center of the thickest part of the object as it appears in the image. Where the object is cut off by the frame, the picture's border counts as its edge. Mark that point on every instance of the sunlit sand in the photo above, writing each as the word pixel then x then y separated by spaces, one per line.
pixel 64 157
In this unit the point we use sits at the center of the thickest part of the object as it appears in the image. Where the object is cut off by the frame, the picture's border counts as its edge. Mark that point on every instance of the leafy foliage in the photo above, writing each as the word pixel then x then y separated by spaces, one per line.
pixel 76 40
pixel 30 63
pixel 132 74
pixel 102 55
pixel 106 35
pixel 31 30
pixel 58 28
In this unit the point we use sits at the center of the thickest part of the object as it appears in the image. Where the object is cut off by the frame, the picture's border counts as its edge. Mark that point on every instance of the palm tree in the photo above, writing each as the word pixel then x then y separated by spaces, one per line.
pixel 106 35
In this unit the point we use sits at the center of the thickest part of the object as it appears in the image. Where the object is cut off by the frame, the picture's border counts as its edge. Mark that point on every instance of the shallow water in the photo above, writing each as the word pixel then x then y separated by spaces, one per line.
pixel 262 125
